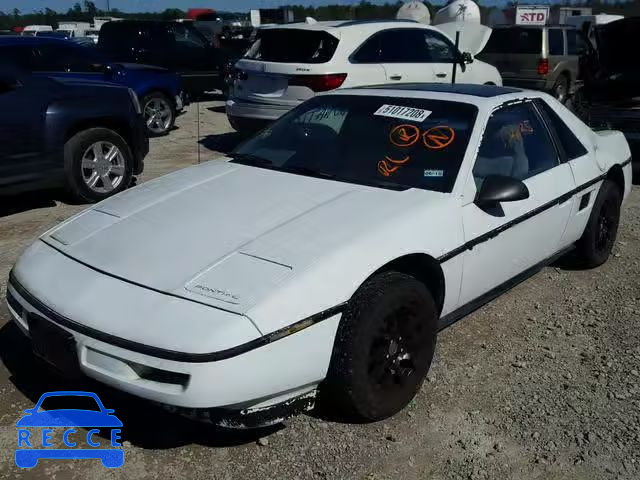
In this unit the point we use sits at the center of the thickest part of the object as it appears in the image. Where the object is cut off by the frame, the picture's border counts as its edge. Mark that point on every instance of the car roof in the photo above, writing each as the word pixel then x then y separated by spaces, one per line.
pixel 486 96
pixel 358 27
pixel 484 91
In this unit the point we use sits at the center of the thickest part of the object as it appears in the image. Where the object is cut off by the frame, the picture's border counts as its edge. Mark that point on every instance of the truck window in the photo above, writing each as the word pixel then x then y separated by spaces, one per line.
pixel 515 40
pixel 556 42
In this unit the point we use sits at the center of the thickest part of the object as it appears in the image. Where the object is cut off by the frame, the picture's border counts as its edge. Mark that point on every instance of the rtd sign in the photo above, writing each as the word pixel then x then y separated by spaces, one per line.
pixel 532 15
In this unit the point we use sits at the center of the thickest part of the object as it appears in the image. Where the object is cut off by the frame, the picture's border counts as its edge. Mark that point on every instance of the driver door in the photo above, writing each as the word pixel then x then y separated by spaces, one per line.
pixel 505 241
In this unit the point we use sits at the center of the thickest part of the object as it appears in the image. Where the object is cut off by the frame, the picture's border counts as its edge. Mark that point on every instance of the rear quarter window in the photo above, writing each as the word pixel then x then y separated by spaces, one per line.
pixel 572 147
pixel 515 40
pixel 293 46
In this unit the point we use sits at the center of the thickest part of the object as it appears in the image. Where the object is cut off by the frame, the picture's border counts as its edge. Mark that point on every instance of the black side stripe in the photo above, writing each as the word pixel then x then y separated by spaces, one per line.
pixel 163 353
pixel 497 231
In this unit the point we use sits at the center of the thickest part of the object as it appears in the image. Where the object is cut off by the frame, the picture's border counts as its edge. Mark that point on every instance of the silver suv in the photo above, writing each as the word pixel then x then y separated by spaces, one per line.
pixel 537 57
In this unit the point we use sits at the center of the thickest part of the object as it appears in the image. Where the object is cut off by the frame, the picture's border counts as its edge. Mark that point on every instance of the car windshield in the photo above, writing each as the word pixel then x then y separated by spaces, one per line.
pixel 387 142
pixel 69 402
pixel 515 40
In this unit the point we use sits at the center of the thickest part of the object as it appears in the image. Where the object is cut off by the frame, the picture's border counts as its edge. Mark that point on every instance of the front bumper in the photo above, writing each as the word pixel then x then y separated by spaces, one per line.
pixel 260 377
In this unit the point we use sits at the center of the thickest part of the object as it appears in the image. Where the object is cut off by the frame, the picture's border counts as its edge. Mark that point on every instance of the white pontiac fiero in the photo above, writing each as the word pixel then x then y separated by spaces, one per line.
pixel 326 254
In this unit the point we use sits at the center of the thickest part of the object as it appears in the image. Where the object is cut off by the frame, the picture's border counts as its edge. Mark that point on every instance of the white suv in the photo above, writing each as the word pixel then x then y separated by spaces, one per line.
pixel 289 64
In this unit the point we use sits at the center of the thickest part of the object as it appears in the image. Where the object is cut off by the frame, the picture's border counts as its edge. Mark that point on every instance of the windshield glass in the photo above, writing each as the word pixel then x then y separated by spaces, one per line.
pixel 388 142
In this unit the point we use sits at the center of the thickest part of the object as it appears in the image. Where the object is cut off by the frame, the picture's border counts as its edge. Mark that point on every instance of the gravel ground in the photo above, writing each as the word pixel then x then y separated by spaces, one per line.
pixel 543 383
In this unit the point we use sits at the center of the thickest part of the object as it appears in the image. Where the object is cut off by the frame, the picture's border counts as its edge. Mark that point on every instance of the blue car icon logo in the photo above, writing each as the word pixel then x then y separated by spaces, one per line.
pixel 34 444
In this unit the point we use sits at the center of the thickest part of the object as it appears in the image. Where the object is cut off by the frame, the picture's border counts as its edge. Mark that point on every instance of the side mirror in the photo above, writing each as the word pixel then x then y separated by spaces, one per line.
pixel 498 188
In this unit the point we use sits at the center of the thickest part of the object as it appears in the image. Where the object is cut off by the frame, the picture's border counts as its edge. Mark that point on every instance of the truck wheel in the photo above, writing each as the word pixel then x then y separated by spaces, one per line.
pixel 596 243
pixel 159 114
pixel 560 89
pixel 98 163
pixel 383 348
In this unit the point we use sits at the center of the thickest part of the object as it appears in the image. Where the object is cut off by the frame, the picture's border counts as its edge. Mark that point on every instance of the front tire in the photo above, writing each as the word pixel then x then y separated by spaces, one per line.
pixel 98 163
pixel 596 243
pixel 384 347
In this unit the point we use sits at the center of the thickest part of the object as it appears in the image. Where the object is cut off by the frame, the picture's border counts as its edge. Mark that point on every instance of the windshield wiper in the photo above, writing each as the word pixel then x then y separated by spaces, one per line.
pixel 250 159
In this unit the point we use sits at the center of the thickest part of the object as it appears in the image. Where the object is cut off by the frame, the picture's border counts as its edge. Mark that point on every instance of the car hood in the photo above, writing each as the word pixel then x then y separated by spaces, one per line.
pixel 225 234
pixel 473 36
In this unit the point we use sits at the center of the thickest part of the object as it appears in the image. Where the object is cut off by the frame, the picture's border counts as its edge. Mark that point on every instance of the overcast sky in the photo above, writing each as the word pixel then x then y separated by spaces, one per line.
pixel 27 6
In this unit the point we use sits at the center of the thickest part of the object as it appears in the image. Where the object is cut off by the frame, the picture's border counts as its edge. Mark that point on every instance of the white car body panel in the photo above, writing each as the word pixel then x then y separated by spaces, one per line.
pixel 224 272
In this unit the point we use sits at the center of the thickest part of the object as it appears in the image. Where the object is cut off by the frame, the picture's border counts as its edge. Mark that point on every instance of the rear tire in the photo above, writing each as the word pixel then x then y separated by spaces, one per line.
pixel 560 89
pixel 79 171
pixel 160 111
pixel 384 347
pixel 598 239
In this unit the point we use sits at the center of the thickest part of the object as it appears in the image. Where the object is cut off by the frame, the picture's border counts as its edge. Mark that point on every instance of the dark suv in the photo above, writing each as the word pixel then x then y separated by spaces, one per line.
pixel 89 137
pixel 177 46
pixel 610 97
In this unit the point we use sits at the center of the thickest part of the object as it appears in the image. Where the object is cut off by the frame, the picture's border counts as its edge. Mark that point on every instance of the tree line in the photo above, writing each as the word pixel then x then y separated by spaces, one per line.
pixel 85 11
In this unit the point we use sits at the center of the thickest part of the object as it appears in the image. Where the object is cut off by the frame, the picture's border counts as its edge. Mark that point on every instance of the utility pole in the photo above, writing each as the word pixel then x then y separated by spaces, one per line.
pixel 108 7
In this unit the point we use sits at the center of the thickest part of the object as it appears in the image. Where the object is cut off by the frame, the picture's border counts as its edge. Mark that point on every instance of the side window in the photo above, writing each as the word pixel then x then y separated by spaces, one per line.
pixel 187 37
pixel 48 59
pixel 556 42
pixel 55 58
pixel 572 147
pixel 515 144
pixel 439 48
pixel 405 45
pixel 369 51
pixel 576 44
pixel 19 56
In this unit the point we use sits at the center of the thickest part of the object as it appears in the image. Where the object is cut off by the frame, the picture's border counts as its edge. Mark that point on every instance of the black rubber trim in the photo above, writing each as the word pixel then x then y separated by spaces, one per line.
pixel 506 226
pixel 473 305
pixel 165 353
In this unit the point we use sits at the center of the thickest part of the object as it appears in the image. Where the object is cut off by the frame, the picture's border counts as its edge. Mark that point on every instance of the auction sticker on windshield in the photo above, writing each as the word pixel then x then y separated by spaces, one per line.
pixel 405 113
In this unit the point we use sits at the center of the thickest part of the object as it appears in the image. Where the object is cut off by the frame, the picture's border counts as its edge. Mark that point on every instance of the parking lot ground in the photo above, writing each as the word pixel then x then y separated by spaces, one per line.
pixel 542 383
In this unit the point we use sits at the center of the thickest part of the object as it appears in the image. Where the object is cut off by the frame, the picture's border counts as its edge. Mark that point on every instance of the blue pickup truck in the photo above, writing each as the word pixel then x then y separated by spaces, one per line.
pixel 159 90
pixel 88 137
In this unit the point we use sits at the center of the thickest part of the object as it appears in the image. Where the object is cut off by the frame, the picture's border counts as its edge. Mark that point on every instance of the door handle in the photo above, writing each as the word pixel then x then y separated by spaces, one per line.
pixel 396 77
pixel 441 75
